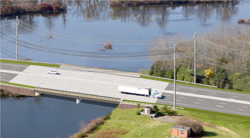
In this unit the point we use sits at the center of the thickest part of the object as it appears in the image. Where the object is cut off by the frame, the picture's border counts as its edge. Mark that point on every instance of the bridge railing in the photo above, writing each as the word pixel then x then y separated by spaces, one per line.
pixel 77 94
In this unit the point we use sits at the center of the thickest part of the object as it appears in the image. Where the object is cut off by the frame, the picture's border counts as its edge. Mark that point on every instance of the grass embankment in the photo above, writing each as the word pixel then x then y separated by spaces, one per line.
pixel 143 126
pixel 182 83
pixel 16 84
pixel 9 8
pixel 240 125
pixel 29 63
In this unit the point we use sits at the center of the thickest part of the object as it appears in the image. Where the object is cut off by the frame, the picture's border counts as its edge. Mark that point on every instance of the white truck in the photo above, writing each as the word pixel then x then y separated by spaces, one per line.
pixel 140 91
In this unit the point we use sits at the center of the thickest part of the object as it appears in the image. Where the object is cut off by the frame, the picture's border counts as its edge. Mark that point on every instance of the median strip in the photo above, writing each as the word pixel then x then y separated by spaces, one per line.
pixel 29 63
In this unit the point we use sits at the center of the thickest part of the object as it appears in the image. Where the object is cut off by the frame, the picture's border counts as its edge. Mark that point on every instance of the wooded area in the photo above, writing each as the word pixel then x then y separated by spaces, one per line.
pixel 222 57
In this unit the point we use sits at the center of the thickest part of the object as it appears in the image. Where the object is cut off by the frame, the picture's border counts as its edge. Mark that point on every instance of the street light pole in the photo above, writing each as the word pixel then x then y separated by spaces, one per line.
pixel 174 79
pixel 16 37
pixel 195 57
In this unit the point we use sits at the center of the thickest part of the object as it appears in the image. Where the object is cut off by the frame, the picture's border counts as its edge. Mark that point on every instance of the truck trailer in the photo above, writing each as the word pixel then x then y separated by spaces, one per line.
pixel 139 91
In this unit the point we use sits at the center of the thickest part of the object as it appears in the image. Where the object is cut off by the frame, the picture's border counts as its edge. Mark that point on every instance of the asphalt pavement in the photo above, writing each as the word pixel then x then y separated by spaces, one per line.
pixel 13 67
pixel 4 76
pixel 207 104
pixel 209 92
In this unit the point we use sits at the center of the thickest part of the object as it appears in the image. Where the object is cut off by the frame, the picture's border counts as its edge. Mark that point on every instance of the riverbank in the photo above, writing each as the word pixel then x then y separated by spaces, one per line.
pixel 153 2
pixel 11 9
pixel 131 125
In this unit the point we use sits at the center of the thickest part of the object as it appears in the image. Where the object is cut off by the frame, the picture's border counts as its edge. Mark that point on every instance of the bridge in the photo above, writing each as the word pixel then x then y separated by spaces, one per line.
pixel 100 84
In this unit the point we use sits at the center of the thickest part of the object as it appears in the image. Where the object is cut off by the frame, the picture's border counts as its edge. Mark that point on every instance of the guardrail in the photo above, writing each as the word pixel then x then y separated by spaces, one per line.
pixel 77 95
pixel 179 81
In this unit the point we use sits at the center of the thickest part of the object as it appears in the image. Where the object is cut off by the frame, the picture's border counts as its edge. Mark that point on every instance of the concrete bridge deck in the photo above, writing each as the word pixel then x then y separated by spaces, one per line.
pixel 103 85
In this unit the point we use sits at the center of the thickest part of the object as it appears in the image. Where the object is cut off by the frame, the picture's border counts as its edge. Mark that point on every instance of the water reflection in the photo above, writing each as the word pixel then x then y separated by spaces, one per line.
pixel 144 15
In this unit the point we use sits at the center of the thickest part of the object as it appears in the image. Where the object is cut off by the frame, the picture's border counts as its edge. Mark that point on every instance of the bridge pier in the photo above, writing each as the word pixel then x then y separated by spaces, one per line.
pixel 78 101
pixel 37 94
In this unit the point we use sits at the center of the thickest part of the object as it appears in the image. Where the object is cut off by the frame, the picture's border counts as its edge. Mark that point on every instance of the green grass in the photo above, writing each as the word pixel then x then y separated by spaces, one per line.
pixel 236 123
pixel 146 127
pixel 182 83
pixel 30 63
pixel 239 124
pixel 17 84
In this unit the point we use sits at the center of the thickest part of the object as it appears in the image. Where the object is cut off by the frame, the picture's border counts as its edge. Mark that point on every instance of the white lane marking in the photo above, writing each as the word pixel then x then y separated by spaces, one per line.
pixel 212 109
pixel 220 91
pixel 182 97
pixel 219 106
pixel 223 103
pixel 209 97
pixel 241 109
pixel 200 99
pixel 197 102
pixel 244 106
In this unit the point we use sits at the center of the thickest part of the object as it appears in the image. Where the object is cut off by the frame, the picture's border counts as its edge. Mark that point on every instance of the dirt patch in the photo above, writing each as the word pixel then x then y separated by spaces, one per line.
pixel 174 119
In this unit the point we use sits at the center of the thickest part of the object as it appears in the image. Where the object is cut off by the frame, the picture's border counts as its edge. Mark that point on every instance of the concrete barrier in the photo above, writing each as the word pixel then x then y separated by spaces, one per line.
pixel 18 89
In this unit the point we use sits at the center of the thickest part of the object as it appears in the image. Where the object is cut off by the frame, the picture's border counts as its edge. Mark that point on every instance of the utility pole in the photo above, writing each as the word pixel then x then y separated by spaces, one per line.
pixel 195 57
pixel 174 80
pixel 16 37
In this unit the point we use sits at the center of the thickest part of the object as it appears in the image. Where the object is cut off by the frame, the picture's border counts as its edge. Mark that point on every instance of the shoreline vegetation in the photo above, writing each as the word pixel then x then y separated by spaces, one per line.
pixel 11 8
pixel 154 2
pixel 126 123
pixel 244 21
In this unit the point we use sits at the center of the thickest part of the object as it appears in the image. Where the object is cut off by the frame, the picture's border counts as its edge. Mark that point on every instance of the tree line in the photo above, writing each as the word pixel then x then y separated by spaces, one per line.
pixel 222 57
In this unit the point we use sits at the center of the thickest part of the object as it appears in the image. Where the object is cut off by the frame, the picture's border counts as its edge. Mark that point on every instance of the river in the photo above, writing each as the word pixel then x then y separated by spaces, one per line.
pixel 47 116
pixel 77 37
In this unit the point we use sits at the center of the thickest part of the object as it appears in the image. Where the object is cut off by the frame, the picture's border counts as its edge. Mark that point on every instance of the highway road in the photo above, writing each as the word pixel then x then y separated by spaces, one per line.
pixel 106 82
pixel 209 92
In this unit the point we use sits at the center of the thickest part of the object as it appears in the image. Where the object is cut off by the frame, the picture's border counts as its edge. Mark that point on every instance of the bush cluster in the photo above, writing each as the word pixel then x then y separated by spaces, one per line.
pixel 196 127
pixel 221 78
pixel 164 111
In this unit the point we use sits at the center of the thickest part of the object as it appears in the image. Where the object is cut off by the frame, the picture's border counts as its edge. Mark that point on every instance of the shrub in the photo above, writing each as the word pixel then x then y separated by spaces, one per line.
pixel 241 81
pixel 155 109
pixel 138 106
pixel 172 112
pixel 196 127
pixel 164 110
pixel 138 112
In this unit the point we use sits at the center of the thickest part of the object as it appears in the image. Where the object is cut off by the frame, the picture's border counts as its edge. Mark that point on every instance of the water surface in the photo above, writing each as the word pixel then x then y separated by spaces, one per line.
pixel 77 37
pixel 47 116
